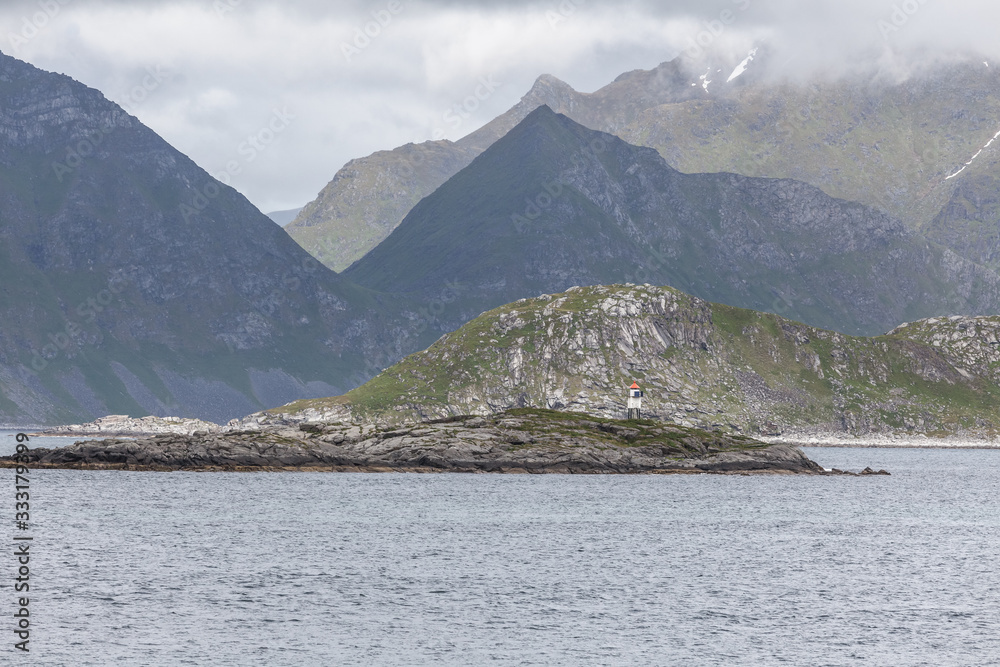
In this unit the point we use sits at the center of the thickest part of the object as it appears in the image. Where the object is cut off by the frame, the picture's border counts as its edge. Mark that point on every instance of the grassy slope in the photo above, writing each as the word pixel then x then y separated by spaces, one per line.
pixel 738 369
pixel 369 197
pixel 887 145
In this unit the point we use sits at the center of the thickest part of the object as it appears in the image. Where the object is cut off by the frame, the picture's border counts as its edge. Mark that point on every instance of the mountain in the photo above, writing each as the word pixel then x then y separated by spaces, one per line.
pixel 871 138
pixel 553 204
pixel 369 196
pixel 284 217
pixel 132 282
pixel 892 144
pixel 969 222
pixel 699 364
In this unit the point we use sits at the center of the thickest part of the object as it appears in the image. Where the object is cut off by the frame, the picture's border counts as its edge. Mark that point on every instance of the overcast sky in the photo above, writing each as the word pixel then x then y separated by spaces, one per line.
pixel 208 74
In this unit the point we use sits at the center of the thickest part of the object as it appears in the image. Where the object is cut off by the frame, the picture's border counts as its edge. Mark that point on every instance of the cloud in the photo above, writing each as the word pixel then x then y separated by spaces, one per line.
pixel 364 76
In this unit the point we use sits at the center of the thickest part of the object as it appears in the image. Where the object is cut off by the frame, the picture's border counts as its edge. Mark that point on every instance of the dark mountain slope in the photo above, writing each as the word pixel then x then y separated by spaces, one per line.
pixel 131 281
pixel 369 196
pixel 553 204
pixel 873 138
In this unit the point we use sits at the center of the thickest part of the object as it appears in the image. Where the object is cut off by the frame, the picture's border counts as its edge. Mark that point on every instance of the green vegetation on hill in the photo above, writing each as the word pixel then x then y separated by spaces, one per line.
pixel 700 365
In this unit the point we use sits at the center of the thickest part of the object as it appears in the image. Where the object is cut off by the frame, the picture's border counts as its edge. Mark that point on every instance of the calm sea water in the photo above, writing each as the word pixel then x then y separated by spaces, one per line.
pixel 394 569
pixel 8 441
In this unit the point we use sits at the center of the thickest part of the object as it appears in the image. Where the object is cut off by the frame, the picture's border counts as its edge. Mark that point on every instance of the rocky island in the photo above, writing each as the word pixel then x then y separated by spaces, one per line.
pixel 123 425
pixel 701 365
pixel 516 441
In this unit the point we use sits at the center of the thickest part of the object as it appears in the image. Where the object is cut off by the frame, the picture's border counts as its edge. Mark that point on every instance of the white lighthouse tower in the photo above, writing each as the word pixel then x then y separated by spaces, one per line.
pixel 634 402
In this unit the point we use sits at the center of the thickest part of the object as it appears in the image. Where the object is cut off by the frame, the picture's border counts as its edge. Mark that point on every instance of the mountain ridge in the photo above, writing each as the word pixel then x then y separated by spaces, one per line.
pixel 553 204
pixel 345 221
pixel 132 282
pixel 886 143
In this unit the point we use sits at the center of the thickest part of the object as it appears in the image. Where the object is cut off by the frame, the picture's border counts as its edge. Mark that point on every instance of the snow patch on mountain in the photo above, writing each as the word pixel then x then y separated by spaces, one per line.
pixel 742 67
pixel 973 159
pixel 705 80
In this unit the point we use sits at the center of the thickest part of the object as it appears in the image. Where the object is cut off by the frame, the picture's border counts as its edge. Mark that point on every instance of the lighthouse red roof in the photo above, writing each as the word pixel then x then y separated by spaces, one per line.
pixel 634 386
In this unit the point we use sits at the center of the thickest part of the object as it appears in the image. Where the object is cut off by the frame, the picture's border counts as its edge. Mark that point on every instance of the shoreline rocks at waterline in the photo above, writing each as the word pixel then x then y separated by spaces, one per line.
pixel 517 441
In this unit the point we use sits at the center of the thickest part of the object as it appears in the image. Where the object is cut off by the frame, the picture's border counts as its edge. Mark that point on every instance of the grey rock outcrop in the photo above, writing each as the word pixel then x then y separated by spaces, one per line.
pixel 522 441
pixel 701 365
pixel 124 425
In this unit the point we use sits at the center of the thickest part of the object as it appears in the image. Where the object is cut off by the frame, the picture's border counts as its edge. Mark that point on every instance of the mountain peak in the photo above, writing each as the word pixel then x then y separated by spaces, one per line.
pixel 553 204
pixel 547 89
pixel 543 111
pixel 547 136
pixel 128 254
pixel 548 82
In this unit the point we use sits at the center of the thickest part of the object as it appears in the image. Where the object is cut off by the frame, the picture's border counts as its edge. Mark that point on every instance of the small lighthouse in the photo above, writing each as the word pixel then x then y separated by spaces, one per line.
pixel 634 402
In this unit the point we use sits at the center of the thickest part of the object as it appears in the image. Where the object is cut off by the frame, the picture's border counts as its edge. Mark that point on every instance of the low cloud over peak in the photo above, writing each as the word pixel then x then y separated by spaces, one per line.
pixel 364 76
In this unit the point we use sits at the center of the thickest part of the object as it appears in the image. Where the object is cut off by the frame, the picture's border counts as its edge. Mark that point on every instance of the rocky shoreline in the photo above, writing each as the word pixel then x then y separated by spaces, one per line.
pixel 881 441
pixel 123 425
pixel 518 441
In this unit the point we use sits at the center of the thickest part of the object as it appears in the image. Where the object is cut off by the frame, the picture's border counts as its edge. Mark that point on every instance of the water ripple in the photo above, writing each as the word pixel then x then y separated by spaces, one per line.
pixel 354 569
